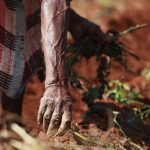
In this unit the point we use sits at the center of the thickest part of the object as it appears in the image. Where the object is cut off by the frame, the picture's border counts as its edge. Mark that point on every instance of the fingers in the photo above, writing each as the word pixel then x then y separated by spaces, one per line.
pixel 47 116
pixel 66 118
pixel 51 118
pixel 55 119
pixel 41 111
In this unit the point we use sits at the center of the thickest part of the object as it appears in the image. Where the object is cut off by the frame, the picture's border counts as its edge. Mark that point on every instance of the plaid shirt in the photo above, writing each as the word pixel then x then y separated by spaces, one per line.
pixel 20 54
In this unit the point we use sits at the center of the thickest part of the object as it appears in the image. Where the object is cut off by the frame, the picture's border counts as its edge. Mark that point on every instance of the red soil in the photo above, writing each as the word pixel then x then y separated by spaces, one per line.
pixel 131 13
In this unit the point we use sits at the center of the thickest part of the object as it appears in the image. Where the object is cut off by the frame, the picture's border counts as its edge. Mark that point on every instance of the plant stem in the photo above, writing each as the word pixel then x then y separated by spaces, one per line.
pixel 132 29
pixel 121 130
pixel 78 135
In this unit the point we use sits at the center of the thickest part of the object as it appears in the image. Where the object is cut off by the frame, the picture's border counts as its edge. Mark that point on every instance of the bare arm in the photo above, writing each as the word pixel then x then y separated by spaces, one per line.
pixel 55 111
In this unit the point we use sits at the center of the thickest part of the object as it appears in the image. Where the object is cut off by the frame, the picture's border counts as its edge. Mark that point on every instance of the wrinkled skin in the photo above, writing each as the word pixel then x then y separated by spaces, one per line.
pixel 55 111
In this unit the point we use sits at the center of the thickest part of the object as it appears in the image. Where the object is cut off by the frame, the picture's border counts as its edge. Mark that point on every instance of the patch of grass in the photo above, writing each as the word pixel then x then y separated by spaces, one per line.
pixel 124 94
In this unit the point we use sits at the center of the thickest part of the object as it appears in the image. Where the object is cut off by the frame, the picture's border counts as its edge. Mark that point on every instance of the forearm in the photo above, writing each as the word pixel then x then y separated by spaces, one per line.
pixel 54 26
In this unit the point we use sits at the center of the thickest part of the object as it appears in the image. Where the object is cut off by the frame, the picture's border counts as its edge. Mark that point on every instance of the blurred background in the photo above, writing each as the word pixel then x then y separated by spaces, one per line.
pixel 108 14
pixel 128 91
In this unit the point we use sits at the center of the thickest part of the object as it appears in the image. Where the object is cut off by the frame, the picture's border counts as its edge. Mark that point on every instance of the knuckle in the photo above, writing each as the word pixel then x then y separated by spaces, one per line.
pixel 42 111
pixel 42 108
pixel 69 104
pixel 56 114
pixel 50 103
pixel 56 122
pixel 46 117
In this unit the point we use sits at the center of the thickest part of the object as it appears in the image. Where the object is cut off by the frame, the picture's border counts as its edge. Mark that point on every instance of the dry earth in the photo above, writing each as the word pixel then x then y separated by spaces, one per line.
pixel 119 16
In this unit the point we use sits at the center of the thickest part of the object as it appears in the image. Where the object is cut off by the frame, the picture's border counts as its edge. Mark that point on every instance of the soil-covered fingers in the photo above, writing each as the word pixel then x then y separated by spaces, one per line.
pixel 55 114
pixel 47 115
pixel 41 111
pixel 45 112
pixel 55 119
pixel 66 118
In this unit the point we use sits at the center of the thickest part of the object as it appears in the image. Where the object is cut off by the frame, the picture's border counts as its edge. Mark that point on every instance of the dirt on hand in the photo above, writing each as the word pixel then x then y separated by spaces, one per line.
pixel 95 127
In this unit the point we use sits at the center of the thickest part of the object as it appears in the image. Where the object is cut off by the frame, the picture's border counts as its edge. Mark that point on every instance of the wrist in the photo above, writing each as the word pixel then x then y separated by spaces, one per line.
pixel 59 82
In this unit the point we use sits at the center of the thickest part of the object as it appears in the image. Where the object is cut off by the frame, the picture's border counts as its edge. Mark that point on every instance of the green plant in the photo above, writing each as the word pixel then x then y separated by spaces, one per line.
pixel 105 54
pixel 123 133
pixel 123 93
pixel 143 111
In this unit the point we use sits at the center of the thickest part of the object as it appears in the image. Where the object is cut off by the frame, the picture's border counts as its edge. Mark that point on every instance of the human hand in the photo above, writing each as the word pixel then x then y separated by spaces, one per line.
pixel 55 111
